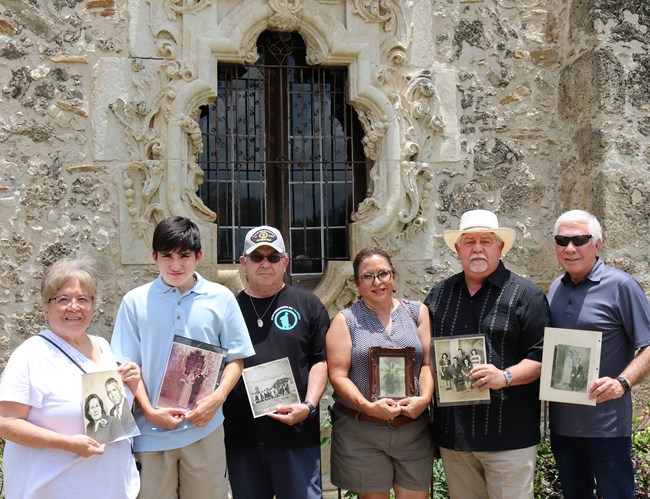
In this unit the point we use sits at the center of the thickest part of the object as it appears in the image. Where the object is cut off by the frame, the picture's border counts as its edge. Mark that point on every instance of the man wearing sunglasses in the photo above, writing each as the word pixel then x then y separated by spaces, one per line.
pixel 592 444
pixel 277 454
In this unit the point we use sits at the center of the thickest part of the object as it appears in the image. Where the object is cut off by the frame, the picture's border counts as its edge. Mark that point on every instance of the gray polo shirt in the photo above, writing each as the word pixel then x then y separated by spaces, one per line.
pixel 613 302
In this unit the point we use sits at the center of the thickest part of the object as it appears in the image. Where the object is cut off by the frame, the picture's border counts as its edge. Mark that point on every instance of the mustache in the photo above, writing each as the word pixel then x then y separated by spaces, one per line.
pixel 477 256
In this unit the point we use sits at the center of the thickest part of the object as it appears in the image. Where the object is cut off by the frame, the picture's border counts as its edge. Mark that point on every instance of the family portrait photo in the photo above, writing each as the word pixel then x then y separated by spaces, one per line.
pixel 570 362
pixel 270 385
pixel 453 360
pixel 106 409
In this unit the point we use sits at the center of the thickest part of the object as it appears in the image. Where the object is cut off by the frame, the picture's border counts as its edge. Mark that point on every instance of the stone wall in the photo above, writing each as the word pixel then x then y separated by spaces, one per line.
pixel 550 112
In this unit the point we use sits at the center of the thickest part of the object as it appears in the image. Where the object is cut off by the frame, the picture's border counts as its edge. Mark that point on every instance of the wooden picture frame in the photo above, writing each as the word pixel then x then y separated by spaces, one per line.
pixel 452 359
pixel 392 372
pixel 570 363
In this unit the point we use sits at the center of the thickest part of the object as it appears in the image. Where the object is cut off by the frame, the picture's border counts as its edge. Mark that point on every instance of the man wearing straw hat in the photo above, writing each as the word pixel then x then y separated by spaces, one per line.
pixel 489 450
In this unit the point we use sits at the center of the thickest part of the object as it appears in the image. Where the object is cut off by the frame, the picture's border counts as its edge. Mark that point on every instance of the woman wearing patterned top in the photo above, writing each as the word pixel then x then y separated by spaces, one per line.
pixel 386 443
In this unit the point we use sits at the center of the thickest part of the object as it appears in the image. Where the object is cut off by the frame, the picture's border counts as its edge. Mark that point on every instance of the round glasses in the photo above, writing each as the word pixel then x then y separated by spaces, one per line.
pixel 580 240
pixel 369 279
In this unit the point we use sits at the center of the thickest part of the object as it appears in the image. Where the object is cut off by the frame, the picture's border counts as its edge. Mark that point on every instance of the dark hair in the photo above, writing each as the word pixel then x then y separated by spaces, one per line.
pixel 111 380
pixel 176 234
pixel 367 253
pixel 87 406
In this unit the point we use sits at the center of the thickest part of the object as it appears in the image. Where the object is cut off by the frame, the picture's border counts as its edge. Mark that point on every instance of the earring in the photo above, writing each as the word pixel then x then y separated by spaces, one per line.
pixel 394 291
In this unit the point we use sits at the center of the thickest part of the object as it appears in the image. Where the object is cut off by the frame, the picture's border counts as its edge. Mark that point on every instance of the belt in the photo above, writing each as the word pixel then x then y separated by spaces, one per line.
pixel 361 416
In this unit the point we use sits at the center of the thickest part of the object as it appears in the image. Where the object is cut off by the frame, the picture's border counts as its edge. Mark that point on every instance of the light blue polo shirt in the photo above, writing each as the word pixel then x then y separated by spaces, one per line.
pixel 613 302
pixel 146 323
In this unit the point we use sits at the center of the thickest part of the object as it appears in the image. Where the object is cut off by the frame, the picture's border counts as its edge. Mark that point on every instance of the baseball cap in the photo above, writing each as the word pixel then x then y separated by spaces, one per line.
pixel 263 235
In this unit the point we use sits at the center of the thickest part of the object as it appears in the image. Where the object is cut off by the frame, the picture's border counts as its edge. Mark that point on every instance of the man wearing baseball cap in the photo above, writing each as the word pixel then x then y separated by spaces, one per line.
pixel 277 454
pixel 489 450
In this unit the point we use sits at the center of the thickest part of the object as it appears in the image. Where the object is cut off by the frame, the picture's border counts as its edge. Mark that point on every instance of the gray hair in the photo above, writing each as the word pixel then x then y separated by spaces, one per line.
pixel 59 272
pixel 581 216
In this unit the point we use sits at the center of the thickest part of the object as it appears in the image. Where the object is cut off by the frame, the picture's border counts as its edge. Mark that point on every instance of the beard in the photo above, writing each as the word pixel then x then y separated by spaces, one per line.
pixel 478 263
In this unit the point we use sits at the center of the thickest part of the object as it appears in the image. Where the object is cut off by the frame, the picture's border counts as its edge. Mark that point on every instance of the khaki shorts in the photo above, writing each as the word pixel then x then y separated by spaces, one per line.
pixel 367 457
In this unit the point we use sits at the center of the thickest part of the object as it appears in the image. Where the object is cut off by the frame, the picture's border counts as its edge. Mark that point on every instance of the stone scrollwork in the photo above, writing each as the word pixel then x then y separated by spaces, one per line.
pixel 286 16
pixel 143 133
pixel 394 17
pixel 141 181
pixel 416 177
pixel 417 106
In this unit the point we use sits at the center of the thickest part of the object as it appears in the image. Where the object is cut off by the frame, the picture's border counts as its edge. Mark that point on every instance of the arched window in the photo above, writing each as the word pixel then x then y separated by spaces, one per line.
pixel 282 147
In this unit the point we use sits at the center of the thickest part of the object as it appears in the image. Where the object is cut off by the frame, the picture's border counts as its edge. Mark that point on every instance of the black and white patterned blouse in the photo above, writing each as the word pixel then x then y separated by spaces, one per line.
pixel 366 330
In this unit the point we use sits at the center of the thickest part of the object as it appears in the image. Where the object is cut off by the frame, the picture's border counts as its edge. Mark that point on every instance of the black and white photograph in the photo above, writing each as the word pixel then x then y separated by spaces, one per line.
pixel 270 385
pixel 391 372
pixel 453 359
pixel 570 363
pixel 193 371
pixel 106 410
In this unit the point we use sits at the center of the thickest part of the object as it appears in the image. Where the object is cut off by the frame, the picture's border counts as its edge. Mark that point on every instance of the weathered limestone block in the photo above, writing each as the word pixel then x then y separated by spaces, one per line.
pixel 592 84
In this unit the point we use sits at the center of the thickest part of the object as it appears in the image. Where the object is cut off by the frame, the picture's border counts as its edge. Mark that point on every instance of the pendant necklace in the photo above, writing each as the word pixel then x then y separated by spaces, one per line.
pixel 260 322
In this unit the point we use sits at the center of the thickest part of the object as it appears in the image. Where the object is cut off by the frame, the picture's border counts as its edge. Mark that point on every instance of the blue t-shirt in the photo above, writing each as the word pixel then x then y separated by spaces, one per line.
pixel 147 321
pixel 611 301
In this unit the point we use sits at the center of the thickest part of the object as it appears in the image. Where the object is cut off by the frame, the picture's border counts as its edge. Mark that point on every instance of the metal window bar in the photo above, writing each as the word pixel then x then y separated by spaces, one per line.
pixel 321 169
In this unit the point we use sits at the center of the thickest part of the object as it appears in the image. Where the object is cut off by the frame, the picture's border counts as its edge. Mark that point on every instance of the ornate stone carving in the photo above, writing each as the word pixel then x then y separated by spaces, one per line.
pixel 394 17
pixel 416 181
pixel 418 108
pixel 143 139
pixel 287 15
pixel 163 17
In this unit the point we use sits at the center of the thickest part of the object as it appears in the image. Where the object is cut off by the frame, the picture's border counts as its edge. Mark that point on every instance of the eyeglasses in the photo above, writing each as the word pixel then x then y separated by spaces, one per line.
pixel 272 258
pixel 576 240
pixel 369 279
pixel 66 301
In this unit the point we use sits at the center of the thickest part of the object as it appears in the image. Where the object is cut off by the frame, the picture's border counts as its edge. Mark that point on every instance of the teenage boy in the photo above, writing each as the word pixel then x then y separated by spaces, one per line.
pixel 182 452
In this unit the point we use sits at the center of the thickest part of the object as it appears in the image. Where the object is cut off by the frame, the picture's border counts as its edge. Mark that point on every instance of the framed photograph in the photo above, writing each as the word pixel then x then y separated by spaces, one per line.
pixel 106 408
pixel 453 359
pixel 392 372
pixel 193 371
pixel 570 363
pixel 270 385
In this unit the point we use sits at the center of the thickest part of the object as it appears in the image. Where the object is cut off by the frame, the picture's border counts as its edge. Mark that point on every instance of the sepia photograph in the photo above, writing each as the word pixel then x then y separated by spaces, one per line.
pixel 270 385
pixel 193 371
pixel 453 359
pixel 570 363
pixel 392 372
pixel 106 410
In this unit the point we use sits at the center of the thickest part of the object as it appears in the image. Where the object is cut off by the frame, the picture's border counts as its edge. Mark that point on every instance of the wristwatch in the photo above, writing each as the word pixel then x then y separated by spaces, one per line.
pixel 623 381
pixel 508 376
pixel 312 409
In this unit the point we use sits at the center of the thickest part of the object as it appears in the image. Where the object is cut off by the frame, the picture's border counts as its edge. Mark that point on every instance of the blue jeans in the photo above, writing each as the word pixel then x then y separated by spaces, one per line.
pixel 584 463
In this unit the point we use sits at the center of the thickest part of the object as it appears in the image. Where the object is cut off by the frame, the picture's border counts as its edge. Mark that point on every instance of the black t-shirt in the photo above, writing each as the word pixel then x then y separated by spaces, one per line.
pixel 293 327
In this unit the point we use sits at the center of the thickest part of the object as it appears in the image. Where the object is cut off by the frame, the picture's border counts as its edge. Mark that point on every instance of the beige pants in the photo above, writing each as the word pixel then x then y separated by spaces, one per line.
pixel 197 471
pixel 490 475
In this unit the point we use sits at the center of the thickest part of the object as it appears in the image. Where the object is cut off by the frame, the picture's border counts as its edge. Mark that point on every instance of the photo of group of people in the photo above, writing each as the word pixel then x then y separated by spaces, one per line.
pixel 106 410
pixel 269 385
pixel 453 360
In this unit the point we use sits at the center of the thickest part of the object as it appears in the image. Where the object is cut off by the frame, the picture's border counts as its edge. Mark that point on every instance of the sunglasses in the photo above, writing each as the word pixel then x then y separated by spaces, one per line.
pixel 272 258
pixel 576 240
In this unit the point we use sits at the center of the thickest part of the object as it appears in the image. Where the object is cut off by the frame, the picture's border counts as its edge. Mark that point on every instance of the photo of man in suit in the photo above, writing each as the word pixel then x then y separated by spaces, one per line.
pixel 120 409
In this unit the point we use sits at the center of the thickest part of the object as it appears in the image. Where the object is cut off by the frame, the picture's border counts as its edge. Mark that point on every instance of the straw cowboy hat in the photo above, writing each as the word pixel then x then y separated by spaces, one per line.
pixel 480 221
